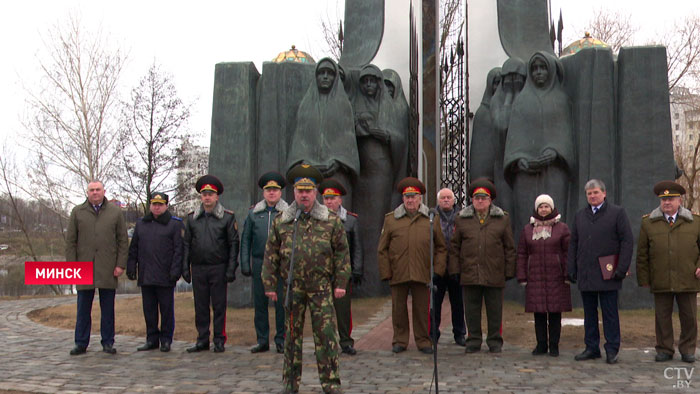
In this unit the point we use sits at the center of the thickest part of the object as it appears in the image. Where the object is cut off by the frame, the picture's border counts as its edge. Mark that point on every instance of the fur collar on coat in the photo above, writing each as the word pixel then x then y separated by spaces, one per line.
pixel 262 205
pixel 469 211
pixel 218 211
pixel 401 211
pixel 684 213
pixel 318 212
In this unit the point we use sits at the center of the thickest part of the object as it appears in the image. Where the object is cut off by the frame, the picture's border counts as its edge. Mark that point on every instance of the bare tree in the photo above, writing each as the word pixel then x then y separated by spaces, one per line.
pixel 615 28
pixel 333 36
pixel 71 120
pixel 683 51
pixel 154 125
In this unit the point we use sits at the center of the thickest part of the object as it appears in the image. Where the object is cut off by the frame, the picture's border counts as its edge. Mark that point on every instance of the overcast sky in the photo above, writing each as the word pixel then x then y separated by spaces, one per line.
pixel 188 38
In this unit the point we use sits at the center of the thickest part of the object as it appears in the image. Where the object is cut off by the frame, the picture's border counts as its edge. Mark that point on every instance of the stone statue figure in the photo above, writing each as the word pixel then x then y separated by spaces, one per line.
pixel 539 155
pixel 398 111
pixel 373 128
pixel 513 75
pixel 482 155
pixel 325 133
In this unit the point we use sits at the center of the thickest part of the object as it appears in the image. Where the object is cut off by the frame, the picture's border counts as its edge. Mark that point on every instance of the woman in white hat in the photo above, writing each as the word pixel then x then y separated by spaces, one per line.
pixel 541 268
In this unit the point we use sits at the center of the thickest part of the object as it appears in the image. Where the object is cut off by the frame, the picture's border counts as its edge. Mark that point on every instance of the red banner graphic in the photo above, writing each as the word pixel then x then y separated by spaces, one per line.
pixel 58 272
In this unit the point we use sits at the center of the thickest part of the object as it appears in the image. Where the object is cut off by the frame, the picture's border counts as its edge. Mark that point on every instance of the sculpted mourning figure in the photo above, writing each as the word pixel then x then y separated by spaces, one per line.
pixel 397 110
pixel 482 155
pixel 325 134
pixel 539 153
pixel 513 75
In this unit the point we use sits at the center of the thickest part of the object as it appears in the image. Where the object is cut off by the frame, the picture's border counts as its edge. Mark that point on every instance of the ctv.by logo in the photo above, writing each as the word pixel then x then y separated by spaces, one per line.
pixel 682 376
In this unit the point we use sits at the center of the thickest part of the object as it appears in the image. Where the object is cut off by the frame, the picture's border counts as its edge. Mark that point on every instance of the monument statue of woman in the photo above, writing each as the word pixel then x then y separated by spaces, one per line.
pixel 398 111
pixel 325 132
pixel 513 75
pixel 539 154
pixel 482 155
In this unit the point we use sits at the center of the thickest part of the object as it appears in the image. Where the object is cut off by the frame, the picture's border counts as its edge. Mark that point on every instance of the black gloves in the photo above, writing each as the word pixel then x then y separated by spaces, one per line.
pixel 436 278
pixel 131 275
pixel 455 278
pixel 174 278
pixel 509 278
pixel 186 275
pixel 571 279
pixel 245 272
pixel 618 275
pixel 230 275
pixel 356 279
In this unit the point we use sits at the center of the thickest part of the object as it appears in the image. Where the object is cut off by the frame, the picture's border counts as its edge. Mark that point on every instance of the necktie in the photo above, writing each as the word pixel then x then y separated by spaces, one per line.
pixel 97 208
pixel 670 220
pixel 595 210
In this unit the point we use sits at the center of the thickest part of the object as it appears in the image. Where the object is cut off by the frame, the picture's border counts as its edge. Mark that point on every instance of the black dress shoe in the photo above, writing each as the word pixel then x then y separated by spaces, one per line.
pixel 554 351
pixel 147 346
pixel 259 348
pixel 495 349
pixel 688 358
pixel 461 341
pixel 472 349
pixel 661 357
pixel 539 350
pixel 426 350
pixel 165 347
pixel 280 347
pixel 198 347
pixel 109 349
pixel 398 348
pixel 611 358
pixel 349 350
pixel 586 355
pixel 219 347
pixel 77 350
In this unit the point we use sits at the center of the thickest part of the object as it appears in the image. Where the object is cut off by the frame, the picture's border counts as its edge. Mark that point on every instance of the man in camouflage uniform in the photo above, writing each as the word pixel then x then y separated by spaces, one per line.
pixel 321 271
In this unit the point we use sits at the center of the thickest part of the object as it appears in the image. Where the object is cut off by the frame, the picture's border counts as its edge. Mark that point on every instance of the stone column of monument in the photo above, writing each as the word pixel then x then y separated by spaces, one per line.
pixel 233 147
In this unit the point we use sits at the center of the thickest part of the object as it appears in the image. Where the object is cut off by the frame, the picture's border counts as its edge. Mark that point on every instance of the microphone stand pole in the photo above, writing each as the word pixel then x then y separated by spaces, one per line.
pixel 432 306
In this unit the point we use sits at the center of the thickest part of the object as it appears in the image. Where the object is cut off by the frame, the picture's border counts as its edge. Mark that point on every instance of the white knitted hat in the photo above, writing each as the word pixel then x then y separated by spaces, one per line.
pixel 544 199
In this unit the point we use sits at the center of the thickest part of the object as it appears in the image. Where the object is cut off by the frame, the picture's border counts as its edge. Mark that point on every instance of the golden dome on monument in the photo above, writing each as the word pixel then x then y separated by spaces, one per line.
pixel 294 55
pixel 586 42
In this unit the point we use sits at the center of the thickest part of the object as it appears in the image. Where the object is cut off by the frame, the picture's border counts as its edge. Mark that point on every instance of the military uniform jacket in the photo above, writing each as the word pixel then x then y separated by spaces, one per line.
pixel 321 257
pixel 156 250
pixel 667 256
pixel 100 238
pixel 255 229
pixel 404 247
pixel 211 239
pixel 352 233
pixel 482 254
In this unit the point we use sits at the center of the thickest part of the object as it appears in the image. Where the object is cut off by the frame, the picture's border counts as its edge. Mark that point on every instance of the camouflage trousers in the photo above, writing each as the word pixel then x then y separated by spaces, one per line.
pixel 325 339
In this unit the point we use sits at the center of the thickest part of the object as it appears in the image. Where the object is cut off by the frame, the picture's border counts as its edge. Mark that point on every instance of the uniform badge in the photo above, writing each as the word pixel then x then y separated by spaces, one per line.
pixel 609 267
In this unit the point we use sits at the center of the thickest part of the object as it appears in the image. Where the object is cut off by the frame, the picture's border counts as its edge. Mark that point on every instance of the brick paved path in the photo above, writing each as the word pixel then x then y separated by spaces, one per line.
pixel 35 358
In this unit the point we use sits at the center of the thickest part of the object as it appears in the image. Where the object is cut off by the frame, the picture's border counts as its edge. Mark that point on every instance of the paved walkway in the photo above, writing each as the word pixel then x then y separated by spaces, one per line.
pixel 34 358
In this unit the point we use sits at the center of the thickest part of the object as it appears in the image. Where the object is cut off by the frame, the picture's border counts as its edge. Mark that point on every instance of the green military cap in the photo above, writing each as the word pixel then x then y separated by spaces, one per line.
pixel 157 197
pixel 304 176
pixel 410 186
pixel 271 179
pixel 668 189
pixel 331 187
pixel 482 187
pixel 209 183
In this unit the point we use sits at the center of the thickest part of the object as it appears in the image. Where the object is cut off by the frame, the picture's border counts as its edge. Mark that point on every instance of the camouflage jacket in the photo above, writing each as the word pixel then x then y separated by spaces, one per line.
pixel 321 257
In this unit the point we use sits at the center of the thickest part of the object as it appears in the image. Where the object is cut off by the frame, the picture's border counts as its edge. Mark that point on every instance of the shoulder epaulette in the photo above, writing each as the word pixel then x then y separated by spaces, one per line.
pixel 505 213
pixel 190 213
pixel 352 214
pixel 252 206
pixel 175 218
pixel 646 216
pixel 390 213
pixel 228 211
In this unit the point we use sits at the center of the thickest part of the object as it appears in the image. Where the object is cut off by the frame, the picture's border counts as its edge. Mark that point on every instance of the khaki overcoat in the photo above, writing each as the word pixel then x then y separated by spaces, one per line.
pixel 483 254
pixel 404 247
pixel 100 238
pixel 667 256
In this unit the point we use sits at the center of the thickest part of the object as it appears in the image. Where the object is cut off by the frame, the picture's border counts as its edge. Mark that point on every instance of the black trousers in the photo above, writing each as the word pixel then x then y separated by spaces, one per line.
pixel 209 287
pixel 611 320
pixel 445 284
pixel 83 321
pixel 155 299
pixel 542 328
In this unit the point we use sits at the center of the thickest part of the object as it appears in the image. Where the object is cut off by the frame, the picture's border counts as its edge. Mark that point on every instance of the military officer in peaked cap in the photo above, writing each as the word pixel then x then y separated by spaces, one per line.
pixel 210 261
pixel 332 192
pixel 155 259
pixel 404 261
pixel 321 271
pixel 253 239
pixel 667 264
